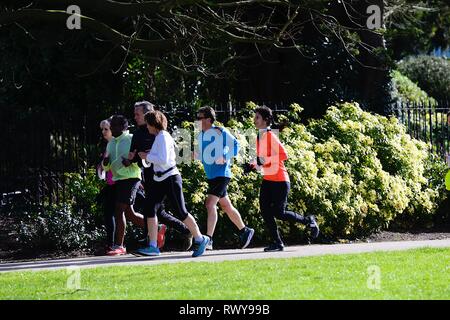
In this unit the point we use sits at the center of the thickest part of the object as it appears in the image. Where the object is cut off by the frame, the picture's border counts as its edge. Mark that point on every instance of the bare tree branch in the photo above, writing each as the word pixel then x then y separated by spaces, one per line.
pixel 193 31
pixel 37 15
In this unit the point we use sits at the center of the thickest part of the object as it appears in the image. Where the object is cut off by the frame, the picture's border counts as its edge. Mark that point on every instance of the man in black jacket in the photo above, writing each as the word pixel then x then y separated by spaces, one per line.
pixel 142 141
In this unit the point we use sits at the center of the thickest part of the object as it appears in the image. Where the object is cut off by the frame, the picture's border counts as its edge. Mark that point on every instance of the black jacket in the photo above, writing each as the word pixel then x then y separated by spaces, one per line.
pixel 142 141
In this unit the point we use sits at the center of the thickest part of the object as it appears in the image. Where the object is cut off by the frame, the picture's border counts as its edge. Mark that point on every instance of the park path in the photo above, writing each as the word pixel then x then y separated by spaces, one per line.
pixel 223 255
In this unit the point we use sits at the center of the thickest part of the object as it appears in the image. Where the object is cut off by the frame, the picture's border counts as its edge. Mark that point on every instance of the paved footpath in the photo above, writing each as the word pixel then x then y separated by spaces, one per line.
pixel 223 255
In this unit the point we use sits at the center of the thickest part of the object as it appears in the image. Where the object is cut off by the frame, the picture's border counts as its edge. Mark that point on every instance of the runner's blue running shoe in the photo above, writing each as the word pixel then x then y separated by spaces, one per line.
pixel 199 247
pixel 149 251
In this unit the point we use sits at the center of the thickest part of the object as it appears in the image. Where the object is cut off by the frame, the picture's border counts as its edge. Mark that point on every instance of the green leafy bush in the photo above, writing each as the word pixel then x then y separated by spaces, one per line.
pixel 58 227
pixel 82 194
pixel 370 171
pixel 407 91
pixel 354 170
pixel 68 226
pixel 432 74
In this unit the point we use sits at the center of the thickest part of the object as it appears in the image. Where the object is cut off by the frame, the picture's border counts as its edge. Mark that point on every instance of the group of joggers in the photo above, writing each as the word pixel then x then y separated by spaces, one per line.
pixel 146 160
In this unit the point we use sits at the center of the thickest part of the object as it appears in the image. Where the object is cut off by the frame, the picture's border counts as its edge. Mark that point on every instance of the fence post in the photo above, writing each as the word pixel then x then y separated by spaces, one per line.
pixel 447 148
pixel 410 119
pixel 84 148
pixel 431 126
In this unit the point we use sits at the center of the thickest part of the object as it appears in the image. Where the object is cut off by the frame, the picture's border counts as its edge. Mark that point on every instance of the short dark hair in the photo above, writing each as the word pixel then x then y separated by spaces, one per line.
pixel 156 119
pixel 145 105
pixel 119 120
pixel 208 112
pixel 266 113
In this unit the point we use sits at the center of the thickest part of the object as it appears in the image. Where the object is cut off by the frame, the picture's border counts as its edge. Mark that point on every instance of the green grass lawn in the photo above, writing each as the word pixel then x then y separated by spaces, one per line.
pixel 412 274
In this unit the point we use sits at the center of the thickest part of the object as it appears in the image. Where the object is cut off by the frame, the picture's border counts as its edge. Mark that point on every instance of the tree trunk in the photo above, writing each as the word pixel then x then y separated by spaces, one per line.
pixel 375 84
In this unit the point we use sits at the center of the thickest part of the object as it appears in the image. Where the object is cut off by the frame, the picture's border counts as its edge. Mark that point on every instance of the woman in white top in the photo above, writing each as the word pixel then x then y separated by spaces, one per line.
pixel 168 184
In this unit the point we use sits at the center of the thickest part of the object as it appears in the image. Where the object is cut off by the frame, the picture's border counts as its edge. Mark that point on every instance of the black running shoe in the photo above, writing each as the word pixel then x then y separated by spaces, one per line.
pixel 246 236
pixel 274 247
pixel 313 226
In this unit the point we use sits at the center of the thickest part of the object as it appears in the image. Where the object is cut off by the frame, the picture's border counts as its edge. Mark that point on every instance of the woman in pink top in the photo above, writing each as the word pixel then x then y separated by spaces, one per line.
pixel 275 185
pixel 107 194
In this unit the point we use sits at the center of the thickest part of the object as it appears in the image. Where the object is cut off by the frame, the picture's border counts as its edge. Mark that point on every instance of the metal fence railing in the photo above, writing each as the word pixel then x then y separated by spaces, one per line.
pixel 428 123
pixel 41 147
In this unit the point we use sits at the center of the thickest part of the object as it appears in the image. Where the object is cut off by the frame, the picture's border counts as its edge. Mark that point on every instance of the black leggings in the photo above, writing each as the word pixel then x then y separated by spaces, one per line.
pixel 171 188
pixel 109 201
pixel 162 214
pixel 272 202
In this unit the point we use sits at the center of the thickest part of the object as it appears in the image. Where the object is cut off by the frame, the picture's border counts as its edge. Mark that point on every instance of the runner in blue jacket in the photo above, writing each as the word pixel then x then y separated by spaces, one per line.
pixel 216 147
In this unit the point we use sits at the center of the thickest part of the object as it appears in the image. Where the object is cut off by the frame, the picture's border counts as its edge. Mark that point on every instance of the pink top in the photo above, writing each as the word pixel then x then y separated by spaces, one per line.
pixel 109 178
pixel 105 175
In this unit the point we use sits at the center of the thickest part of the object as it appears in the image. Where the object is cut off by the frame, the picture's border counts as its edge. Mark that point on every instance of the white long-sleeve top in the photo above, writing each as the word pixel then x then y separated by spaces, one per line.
pixel 162 155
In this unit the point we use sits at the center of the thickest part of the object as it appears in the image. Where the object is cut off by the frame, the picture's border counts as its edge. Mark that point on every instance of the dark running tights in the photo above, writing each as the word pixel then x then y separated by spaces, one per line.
pixel 272 202
pixel 172 189
pixel 109 202
pixel 163 215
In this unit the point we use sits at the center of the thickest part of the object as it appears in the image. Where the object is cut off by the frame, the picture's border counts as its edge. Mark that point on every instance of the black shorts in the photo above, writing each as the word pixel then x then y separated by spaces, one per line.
pixel 218 186
pixel 126 190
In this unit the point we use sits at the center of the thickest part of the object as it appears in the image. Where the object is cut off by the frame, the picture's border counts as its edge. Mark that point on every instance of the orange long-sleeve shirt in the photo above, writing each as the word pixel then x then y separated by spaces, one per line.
pixel 270 148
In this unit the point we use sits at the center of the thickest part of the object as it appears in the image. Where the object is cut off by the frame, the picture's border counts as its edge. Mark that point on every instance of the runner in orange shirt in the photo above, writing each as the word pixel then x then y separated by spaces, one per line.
pixel 275 185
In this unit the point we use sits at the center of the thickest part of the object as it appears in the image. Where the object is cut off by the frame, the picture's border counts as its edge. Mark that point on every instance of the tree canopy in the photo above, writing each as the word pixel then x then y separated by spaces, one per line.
pixel 193 30
pixel 312 51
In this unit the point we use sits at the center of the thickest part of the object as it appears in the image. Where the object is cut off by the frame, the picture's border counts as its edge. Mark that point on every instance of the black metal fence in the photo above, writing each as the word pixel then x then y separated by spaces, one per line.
pixel 428 123
pixel 40 147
